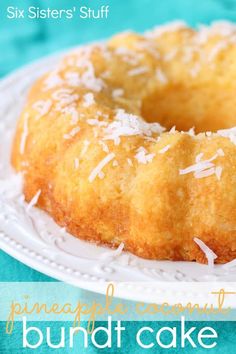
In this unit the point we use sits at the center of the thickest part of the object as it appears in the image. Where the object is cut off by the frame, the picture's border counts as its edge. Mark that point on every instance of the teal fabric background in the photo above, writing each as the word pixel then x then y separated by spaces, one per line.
pixel 22 41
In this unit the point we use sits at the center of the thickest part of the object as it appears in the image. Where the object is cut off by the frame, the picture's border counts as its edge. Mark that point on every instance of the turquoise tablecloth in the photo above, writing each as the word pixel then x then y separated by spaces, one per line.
pixel 22 41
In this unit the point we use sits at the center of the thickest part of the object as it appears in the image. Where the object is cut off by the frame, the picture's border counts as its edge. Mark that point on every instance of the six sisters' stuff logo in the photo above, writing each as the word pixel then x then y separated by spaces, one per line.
pixel 36 12
pixel 178 336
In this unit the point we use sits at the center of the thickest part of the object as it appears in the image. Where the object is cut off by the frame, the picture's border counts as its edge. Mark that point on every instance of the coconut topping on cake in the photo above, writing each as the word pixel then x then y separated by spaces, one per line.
pixel 134 140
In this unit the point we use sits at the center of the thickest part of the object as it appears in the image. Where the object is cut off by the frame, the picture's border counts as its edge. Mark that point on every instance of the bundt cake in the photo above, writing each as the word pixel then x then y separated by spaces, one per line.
pixel 133 141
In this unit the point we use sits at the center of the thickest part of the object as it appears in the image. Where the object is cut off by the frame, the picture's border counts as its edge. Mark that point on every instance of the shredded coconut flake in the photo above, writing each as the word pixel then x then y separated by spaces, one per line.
pixel 52 81
pixel 72 112
pixel 117 93
pixel 220 152
pixel 218 172
pixel 161 76
pixel 228 133
pixel 170 55
pixel 199 157
pixel 129 162
pixel 138 71
pixel 100 166
pixel 205 173
pixel 164 149
pixel 191 131
pixel 128 55
pixel 96 122
pixel 219 47
pixel 210 255
pixel 72 133
pixel 222 28
pixel 126 124
pixel 101 175
pixel 85 147
pixel 72 79
pixel 62 94
pixel 205 168
pixel 142 156
pixel 173 130
pixel 112 254
pixel 104 146
pixel 88 78
pixel 88 99
pixel 115 163
pixel 149 47
pixel 42 107
pixel 33 201
pixel 200 166
pixel 76 163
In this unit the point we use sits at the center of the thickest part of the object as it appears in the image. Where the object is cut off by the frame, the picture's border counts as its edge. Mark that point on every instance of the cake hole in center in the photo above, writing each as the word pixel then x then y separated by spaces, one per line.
pixel 205 109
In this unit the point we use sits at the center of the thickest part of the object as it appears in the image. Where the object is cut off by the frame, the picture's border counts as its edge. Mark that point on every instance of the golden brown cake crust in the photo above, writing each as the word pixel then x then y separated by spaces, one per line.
pixel 108 176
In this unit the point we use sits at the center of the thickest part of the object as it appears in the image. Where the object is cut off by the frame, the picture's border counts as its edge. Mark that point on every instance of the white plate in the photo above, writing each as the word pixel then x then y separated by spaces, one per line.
pixel 34 239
